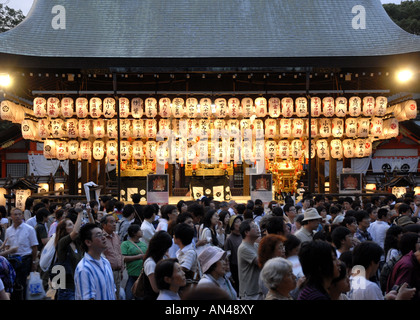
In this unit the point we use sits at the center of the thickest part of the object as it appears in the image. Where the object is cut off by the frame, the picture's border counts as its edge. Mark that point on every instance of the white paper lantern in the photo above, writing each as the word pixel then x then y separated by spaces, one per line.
pixel 258 131
pixel 28 130
pixel 287 107
pixel 138 152
pixel 376 127
pixel 18 113
pixel 205 107
pixel 95 107
pixel 285 128
pixel 124 107
pixel 340 107
pixel 165 107
pixel 359 150
pixel 351 127
pixel 270 149
pixel 204 128
pixel 283 149
pixel 247 152
pixel 98 150
pixel 82 110
pixel 67 107
pixel 316 106
pixel 181 151
pixel 245 125
pixel 322 148
pixel 363 126
pixel 314 128
pixel 348 148
pixel 298 126
pixel 192 128
pixel 337 127
pixel 202 151
pixel 40 107
pixel 247 107
pixel 259 150
pixel 191 107
pixel 125 150
pixel 109 108
pixel 137 107
pixel 112 150
pixel 261 107
pixel 368 106
pixel 150 107
pixel 221 107
pixel 85 150
pixel 73 147
pixel 381 104
pixel 49 149
pixel 234 108
pixel 410 108
pixel 72 128
pixel 178 107
pixel 44 130
pixel 7 110
pixel 296 148
pixel 150 150
pixel 301 107
pixel 336 149
pixel 218 129
pixel 328 108
pixel 393 128
pixel 53 107
pixel 84 128
pixel 164 128
pixel 368 147
pixel 62 150
pixel 138 129
pixel 271 129
pixel 57 128
pixel 150 127
pixel 355 106
pixel 98 128
pixel 274 107
pixel 125 128
pixel 112 128
pixel 325 127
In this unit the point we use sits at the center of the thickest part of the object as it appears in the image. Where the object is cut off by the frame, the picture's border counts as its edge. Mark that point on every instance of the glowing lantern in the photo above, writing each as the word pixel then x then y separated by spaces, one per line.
pixel 368 106
pixel 298 128
pixel 202 150
pixel 261 107
pixel 368 147
pixel 18 114
pixel 67 107
pixel 258 131
pixel 351 127
pixel 40 107
pixel 164 128
pixel 205 107
pixel 301 107
pixel 95 107
pixel 348 148
pixel 363 125
pixel 137 108
pixel 235 131
pixel 124 107
pixel 7 110
pixel 28 129
pixel 138 152
pixel 191 107
pixel 355 106
pixel 283 149
pixel 49 149
pixel 393 129
pixel 410 108
pixel 336 149
pixel 150 107
pixel 203 128
pixel 296 147
pixel 53 107
pixel 82 107
pixel 218 127
pixel 72 127
pixel 245 125
pixel 337 127
pixel 57 128
pixel 285 128
pixel 125 128
pixel 61 150
pixel 340 107
pixel 376 127
pixel 259 147
pixel 325 128
pixel 109 107
pixel 359 150
pixel 165 107
pixel 150 150
pixel 44 128
pixel 85 150
pixel 287 107
pixel 316 106
pixel 271 129
pixel 98 126
pixel 178 107
pixel 150 128
pixel 322 148
pixel 192 128
pixel 314 128
pixel 234 107
pixel 98 150
pixel 313 149
pixel 328 108
pixel 112 128
pixel 84 129
pixel 274 107
pixel 181 151
pixel 381 104
pixel 73 147
pixel 247 154
pixel 270 149
pixel 221 107
pixel 125 150
pixel 112 151
pixel 247 107
pixel 138 129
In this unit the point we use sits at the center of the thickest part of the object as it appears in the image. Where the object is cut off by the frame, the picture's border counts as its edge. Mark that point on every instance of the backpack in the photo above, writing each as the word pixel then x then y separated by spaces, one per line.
pixel 386 271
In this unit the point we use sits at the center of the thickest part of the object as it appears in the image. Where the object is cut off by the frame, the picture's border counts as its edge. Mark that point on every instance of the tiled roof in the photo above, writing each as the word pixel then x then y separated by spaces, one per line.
pixel 207 28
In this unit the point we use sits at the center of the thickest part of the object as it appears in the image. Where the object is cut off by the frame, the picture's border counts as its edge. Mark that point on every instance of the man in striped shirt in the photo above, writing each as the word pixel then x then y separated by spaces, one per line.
pixel 93 278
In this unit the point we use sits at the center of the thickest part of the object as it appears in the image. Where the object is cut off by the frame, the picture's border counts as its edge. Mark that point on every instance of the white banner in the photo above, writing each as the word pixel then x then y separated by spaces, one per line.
pixel 404 164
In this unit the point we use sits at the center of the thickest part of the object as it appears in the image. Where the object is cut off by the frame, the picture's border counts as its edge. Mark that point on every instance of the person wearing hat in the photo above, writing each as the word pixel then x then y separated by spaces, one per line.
pixel 310 222
pixel 214 265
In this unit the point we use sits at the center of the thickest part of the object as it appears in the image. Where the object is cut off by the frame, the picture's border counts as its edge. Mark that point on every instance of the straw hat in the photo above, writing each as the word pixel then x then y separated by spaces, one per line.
pixel 311 214
pixel 209 256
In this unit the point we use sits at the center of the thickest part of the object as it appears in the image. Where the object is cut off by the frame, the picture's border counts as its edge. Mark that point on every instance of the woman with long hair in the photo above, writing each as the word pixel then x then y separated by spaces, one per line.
pixel 212 230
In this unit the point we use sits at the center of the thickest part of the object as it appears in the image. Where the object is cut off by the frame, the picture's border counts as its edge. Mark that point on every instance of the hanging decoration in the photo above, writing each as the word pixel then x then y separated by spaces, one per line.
pixel 109 108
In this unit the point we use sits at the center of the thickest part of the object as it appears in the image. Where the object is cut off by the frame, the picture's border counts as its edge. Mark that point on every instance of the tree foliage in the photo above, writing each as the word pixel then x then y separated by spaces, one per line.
pixel 406 15
pixel 9 18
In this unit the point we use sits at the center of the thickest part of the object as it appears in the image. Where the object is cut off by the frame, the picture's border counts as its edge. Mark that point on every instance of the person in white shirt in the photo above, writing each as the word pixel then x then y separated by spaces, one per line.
pixel 378 228
pixel 147 227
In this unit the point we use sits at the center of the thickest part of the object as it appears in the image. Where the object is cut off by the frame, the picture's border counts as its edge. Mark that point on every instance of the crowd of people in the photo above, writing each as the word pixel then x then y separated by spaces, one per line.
pixel 318 248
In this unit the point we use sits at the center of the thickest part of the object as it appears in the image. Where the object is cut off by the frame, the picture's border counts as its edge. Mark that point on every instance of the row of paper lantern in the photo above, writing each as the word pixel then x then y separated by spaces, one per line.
pixel 220 108
pixel 204 128
pixel 224 151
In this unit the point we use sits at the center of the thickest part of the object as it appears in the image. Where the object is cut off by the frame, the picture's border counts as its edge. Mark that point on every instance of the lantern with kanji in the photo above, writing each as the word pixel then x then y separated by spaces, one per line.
pixel 49 149
pixel 258 130
pixel 314 128
pixel 247 153
pixel 283 149
pixel 376 127
pixel 245 127
pixel 316 106
pixel 336 149
pixel 348 148
pixel 381 104
pixel 7 110
pixel 73 147
pixel 191 107
pixel 138 152
pixel 72 128
pixel 85 150
pixel 67 107
pixel 274 107
pixel 150 150
pixel 205 107
pixel 247 107
pixel 178 107
pixel 359 150
pixel 368 106
pixel 124 107
pixel 285 128
pixel 298 128
pixel 137 107
pixel 271 128
pixel 355 106
pixel 164 128
pixel 44 128
pixel 53 107
pixel 165 107
pixel 150 127
pixel 84 128
pixel 125 150
pixel 296 148
pixel 82 110
pixel 234 108
pixel 328 108
pixel 363 125
pixel 410 108
pixel 259 147
pixel 61 150
pixel 341 107
pixel 325 127
pixel 393 128
pixel 109 107
pixel 112 128
pixel 203 128
pixel 150 107
pixel 98 150
pixel 221 107
pixel 337 127
pixel 28 129
pixel 287 107
pixel 40 107
pixel 261 107
pixel 138 128
pixel 322 149
pixel 57 128
pixel 125 128
pixel 270 149
pixel 368 147
pixel 301 107
pixel 351 127
pixel 112 151
pixel 98 126
pixel 95 107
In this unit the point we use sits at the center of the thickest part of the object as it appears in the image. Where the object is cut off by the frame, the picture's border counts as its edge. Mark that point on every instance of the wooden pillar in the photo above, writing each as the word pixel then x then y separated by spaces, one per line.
pixel 333 175
pixel 102 175
pixel 246 180
pixel 73 177
pixel 321 175
pixel 93 171
pixel 170 173
pixel 312 177
pixel 85 173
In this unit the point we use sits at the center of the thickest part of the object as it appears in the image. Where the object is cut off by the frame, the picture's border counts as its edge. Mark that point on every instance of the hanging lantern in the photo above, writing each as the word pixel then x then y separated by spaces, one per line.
pixel 164 128
pixel 348 148
pixel 57 128
pixel 53 107
pixel 162 153
pixel 150 150
pixel 301 107
pixel 165 107
pixel 328 108
pixel 337 127
pixel 376 127
pixel 271 129
pixel 325 127
pixel 125 128
pixel 218 128
pixel 73 147
pixel 235 131
pixel 247 154
pixel 112 128
pixel 191 107
pixel 150 127
pixel 67 107
pixel 258 131
pixel 287 107
pixel 259 147
pixel 355 106
pixel 274 107
pixel 124 107
pixel 381 104
pixel 202 151
pixel 95 107
pixel 98 150
pixel 322 149
pixel 181 151
pixel 359 150
pixel 84 128
pixel 192 129
pixel 18 114
pixel 109 107
pixel 368 147
pixel 150 107
pixel 393 128
pixel 138 129
pixel 298 128
pixel 368 106
pixel 363 125
pixel 245 125
pixel 296 147
pixel 205 107
pixel 175 127
pixel 112 151
pixel 7 110
pixel 125 150
pixel 82 107
pixel 313 149
pixel 234 108
pixel 49 149
pixel 138 152
pixel 28 129
pixel 137 107
pixel 270 150
pixel 283 149
pixel 261 107
pixel 203 128
pixel 44 128
pixel 178 107
pixel 314 128
pixel 316 106
pixel 72 127
pixel 410 108
pixel 98 126
pixel 221 107
pixel 351 127
pixel 340 107
pixel 247 107
pixel 40 107
pixel 285 128
pixel 336 149
pixel 85 150
pixel 61 150
pixel 225 150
